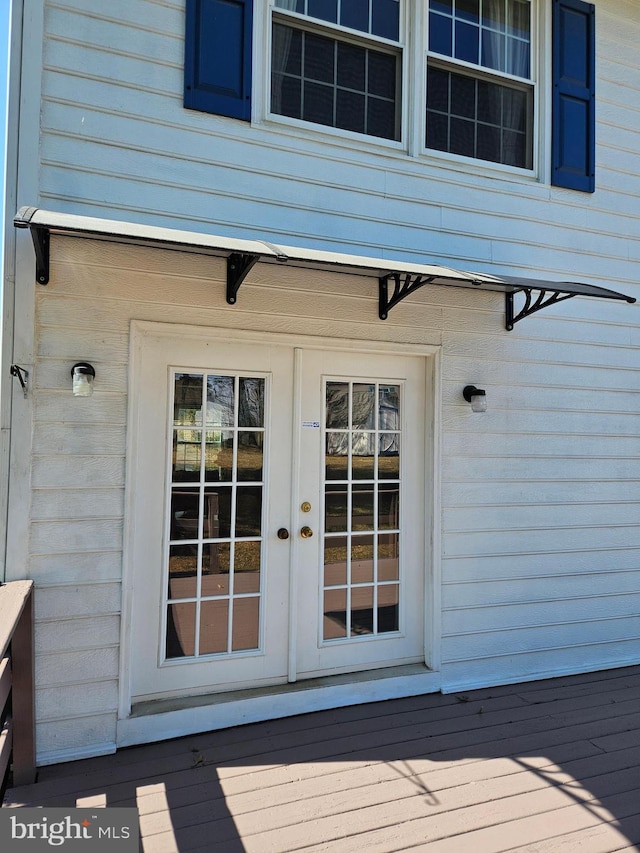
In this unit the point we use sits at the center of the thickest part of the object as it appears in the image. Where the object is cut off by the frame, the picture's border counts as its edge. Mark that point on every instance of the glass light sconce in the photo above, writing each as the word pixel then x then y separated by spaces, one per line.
pixel 82 376
pixel 476 396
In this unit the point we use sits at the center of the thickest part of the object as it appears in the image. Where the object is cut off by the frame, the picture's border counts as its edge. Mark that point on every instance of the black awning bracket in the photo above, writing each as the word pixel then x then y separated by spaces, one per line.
pixel 403 285
pixel 238 267
pixel 543 300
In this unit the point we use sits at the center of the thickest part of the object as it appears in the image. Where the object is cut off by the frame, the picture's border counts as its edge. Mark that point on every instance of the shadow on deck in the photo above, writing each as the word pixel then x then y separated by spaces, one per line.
pixel 549 766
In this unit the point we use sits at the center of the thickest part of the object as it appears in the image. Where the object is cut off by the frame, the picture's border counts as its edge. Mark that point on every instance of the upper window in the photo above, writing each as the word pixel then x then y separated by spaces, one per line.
pixel 479 88
pixel 343 64
pixel 338 63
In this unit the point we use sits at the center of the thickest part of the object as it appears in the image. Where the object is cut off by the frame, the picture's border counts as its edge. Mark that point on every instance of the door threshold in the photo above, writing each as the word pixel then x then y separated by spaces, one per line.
pixel 162 719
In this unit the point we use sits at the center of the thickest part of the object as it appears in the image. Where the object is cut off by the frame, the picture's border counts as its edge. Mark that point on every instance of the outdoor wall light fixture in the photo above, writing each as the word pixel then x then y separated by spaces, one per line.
pixel 476 396
pixel 83 375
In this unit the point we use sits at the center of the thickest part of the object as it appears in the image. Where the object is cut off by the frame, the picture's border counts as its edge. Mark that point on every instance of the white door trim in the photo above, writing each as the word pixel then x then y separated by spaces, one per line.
pixel 139 330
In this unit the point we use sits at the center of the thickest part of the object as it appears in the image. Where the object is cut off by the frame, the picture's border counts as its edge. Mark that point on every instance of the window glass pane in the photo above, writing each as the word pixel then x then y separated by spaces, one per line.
pixel 246 622
pixel 385 18
pixel 187 454
pixel 183 571
pixel 519 19
pixel 442 6
pixel 184 514
pixel 246 567
pixel 181 630
pixel 467 38
pixel 220 400
pixel 337 404
pixel 463 96
pixel 493 15
pixel 326 10
pixel 363 408
pixel 468 10
pixel 382 74
pixel 214 619
pixel 440 34
pixel 351 67
pixel 335 508
pixel 363 455
pixel 216 565
pixel 335 560
pixel 462 137
pixel 187 399
pixel 388 599
pixel 388 557
pixel 493 50
pixel 388 506
pixel 319 58
pixel 251 408
pixel 361 610
pixel 381 119
pixel 335 614
pixel 389 459
pixel 337 456
pixel 318 103
pixel 217 512
pixel 362 500
pixel 293 5
pixel 218 466
pixel 250 456
pixel 350 111
pixel 248 511
pixel 499 112
pixel 313 89
pixel 355 14
pixel 362 559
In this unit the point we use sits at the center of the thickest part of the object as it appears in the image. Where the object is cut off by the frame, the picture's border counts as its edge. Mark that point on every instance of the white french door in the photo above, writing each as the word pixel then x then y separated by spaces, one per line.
pixel 278 513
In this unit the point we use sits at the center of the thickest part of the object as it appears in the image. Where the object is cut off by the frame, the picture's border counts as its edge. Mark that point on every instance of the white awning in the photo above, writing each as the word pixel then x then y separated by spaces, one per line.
pixel 241 255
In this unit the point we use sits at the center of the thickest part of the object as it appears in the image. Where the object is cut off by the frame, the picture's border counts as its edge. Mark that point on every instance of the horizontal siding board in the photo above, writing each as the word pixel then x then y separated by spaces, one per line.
pixel 549 492
pixel 66 635
pixel 76 667
pixel 520 590
pixel 56 439
pixel 75 734
pixel 619 569
pixel 83 600
pixel 62 703
pixel 457 622
pixel 510 541
pixel 54 569
pixel 542 518
pixel 89 472
pixel 75 536
pixel 56 504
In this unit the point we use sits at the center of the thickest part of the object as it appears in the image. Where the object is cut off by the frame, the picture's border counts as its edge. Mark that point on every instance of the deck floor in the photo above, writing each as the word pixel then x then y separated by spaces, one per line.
pixel 546 767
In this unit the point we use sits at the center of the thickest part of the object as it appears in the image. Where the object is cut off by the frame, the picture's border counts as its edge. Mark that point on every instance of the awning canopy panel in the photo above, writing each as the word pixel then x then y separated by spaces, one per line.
pixel 396 280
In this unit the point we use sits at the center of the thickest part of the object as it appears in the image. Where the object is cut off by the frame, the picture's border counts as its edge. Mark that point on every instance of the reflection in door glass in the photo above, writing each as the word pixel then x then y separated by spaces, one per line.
pixel 214 530
pixel 361 509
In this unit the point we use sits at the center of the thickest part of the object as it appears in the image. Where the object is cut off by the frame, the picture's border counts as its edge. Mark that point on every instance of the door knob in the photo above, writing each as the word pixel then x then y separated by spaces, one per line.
pixel 283 533
pixel 306 532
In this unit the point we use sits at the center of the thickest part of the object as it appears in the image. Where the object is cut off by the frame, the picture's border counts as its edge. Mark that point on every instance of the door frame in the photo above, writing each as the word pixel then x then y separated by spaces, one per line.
pixel 140 330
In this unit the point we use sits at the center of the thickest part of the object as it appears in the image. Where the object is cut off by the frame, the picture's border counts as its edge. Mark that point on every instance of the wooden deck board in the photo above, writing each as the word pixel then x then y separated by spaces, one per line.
pixel 542 767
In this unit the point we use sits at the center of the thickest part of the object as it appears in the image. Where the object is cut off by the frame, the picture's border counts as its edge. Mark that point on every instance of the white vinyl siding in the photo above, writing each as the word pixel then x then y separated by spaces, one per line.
pixel 540 495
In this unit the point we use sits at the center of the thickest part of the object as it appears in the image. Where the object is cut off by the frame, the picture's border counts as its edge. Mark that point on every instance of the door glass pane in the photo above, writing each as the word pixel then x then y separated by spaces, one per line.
pixel 335 614
pixel 181 625
pixel 363 507
pixel 218 452
pixel 183 571
pixel 335 560
pixel 214 529
pixel 337 455
pixel 216 567
pixel 187 454
pixel 214 626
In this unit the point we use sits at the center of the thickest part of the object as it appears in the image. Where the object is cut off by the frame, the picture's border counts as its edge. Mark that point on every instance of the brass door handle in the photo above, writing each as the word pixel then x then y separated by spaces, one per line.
pixel 306 532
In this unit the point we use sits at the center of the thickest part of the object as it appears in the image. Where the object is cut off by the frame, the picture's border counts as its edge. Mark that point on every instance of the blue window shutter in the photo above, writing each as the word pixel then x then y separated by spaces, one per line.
pixel 217 72
pixel 574 104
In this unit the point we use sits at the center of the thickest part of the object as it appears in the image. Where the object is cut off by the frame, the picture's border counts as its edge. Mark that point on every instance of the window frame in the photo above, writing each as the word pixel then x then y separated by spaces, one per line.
pixel 479 72
pixel 413 45
pixel 263 24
